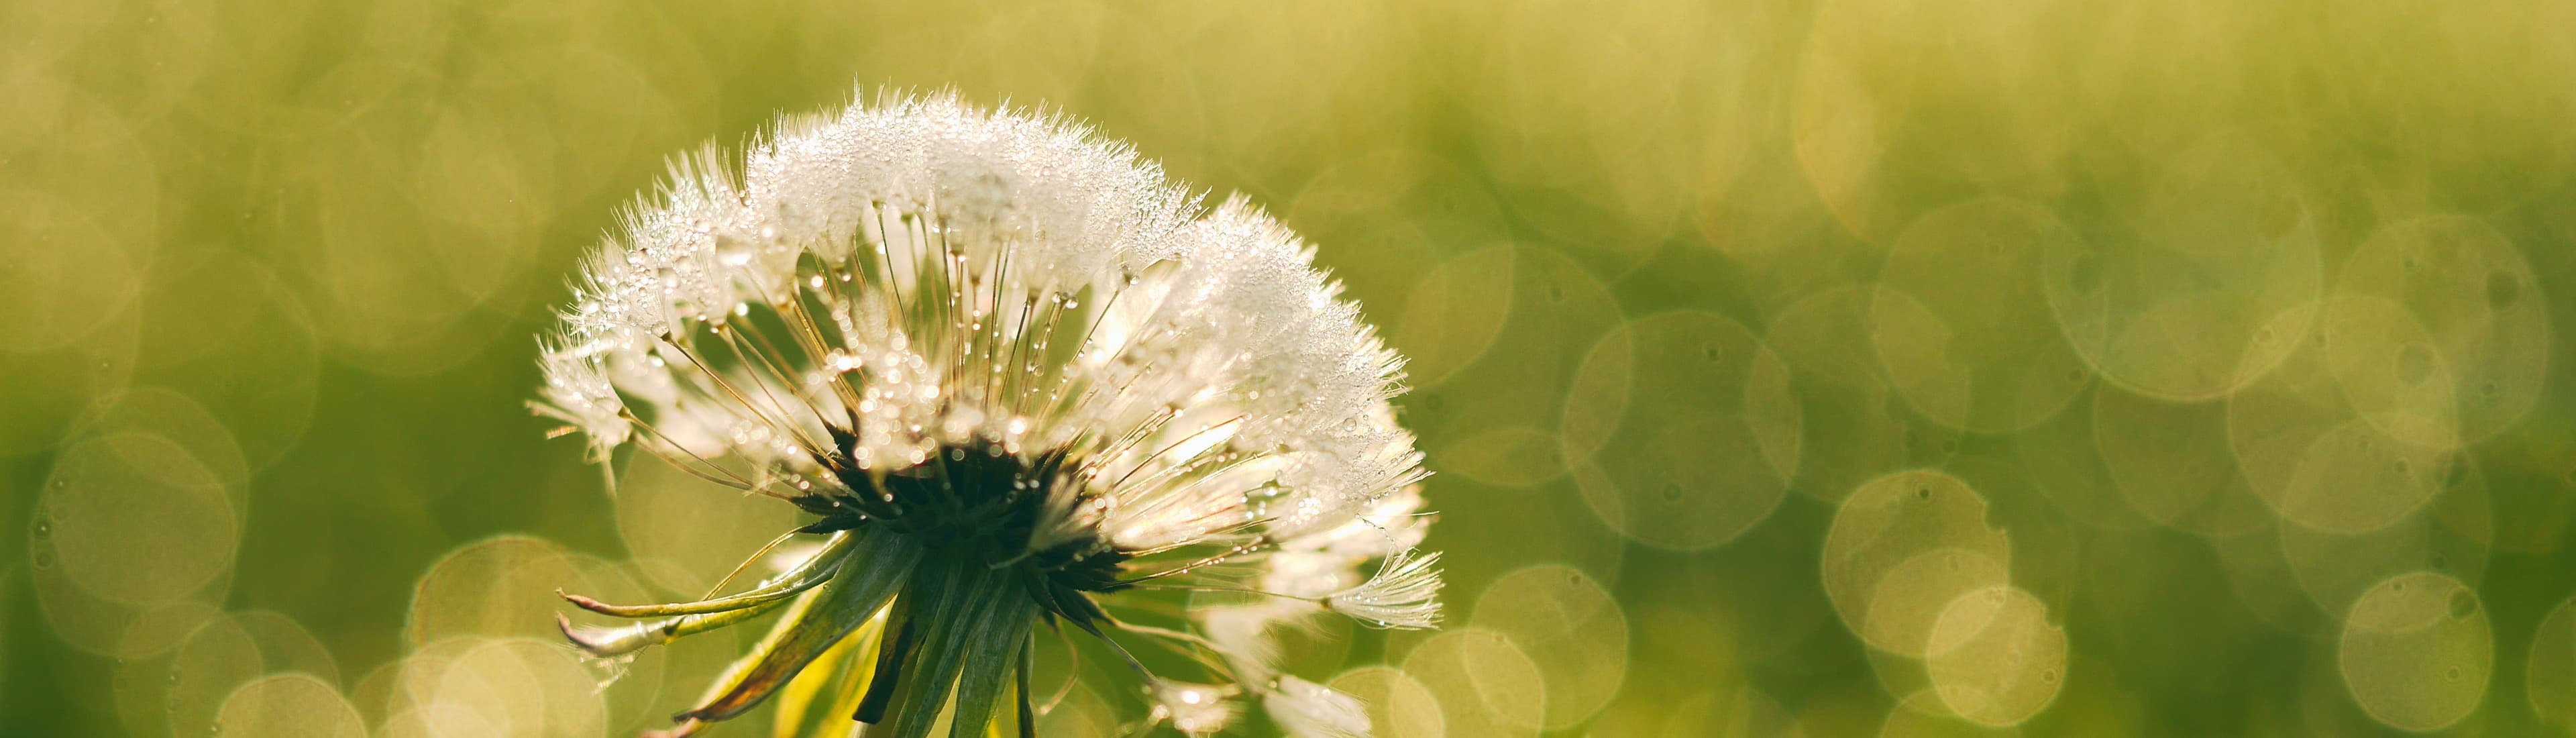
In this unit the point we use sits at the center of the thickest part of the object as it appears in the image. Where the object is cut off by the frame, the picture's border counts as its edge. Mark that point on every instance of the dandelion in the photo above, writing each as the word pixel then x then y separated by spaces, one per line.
pixel 1016 380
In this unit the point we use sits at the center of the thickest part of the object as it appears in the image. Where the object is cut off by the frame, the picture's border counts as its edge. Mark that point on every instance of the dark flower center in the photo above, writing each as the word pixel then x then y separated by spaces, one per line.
pixel 963 553
pixel 979 505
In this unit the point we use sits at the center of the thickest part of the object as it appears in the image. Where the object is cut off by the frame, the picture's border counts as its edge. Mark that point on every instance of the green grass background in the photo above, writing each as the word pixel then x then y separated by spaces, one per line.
pixel 1678 278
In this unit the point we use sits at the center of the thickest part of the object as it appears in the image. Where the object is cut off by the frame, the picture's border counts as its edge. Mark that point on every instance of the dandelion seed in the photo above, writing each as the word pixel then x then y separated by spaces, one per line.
pixel 1404 594
pixel 1308 709
pixel 1193 709
pixel 1013 375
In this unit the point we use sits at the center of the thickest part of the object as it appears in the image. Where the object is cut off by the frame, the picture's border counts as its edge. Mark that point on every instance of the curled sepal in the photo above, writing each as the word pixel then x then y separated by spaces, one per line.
pixel 876 566
pixel 619 640
pixel 815 570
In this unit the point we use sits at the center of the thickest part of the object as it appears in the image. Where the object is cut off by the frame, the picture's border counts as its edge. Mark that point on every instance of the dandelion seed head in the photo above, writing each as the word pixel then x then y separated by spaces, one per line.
pixel 992 354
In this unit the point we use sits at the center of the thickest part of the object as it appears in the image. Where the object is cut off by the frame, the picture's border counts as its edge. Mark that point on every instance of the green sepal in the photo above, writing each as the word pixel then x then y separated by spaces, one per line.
pixel 902 637
pixel 878 564
pixel 968 646
pixel 994 649
pixel 818 701
pixel 1020 691
pixel 932 602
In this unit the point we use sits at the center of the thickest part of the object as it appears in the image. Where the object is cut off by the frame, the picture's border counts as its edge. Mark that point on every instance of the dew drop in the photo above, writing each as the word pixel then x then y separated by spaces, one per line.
pixel 734 252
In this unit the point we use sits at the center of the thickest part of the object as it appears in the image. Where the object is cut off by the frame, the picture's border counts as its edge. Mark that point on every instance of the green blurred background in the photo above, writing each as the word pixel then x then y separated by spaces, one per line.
pixel 2218 337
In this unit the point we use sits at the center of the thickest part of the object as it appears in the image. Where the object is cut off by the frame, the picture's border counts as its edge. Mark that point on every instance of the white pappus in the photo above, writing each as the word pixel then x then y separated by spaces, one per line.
pixel 1016 377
